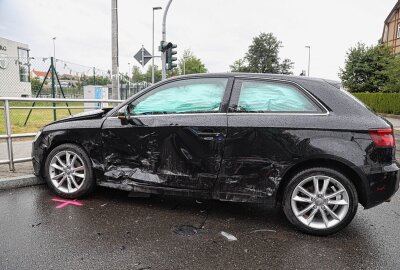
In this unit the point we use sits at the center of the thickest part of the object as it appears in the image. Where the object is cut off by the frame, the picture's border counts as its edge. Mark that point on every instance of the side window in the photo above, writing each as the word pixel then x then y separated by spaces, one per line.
pixel 273 97
pixel 186 96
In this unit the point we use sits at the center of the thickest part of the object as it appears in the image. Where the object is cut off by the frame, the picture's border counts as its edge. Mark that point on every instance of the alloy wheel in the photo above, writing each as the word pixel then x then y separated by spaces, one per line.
pixel 320 202
pixel 67 171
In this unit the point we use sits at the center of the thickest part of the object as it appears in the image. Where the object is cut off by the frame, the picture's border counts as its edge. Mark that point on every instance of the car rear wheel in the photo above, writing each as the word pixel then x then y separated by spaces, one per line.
pixel 320 201
pixel 68 171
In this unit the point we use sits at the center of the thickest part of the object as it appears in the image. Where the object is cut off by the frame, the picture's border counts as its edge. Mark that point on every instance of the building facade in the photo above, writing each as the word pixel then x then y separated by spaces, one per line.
pixel 391 30
pixel 14 69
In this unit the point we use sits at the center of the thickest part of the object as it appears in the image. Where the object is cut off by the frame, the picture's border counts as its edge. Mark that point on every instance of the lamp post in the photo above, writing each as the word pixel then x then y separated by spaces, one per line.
pixel 309 59
pixel 152 59
pixel 129 80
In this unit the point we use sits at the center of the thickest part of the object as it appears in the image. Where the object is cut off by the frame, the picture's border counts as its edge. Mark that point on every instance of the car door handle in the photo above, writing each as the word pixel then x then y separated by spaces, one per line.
pixel 209 136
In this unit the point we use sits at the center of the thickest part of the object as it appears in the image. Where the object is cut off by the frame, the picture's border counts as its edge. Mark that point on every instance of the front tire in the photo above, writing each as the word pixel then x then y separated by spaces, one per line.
pixel 68 171
pixel 320 201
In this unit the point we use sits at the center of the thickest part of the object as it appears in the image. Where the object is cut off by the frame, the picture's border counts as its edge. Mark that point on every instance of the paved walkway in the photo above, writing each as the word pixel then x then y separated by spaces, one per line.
pixel 23 149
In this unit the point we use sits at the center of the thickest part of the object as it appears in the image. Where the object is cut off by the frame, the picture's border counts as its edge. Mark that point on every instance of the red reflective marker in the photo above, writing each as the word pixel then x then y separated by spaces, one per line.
pixel 66 202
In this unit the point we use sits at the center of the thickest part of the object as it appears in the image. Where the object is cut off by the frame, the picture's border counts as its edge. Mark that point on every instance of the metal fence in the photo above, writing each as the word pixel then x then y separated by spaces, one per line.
pixel 7 108
pixel 45 77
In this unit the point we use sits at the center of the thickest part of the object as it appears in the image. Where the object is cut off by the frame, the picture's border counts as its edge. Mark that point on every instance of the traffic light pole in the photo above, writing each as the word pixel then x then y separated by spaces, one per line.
pixel 164 38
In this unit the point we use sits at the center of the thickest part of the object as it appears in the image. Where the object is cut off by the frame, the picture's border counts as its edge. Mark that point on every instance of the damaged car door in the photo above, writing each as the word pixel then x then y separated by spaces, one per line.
pixel 171 136
pixel 267 117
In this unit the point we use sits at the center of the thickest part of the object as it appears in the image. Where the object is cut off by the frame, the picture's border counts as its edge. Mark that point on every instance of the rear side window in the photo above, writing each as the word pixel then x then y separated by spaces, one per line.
pixel 273 97
pixel 186 96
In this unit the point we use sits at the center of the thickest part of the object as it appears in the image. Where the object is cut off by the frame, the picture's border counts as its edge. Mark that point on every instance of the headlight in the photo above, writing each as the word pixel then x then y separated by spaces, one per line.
pixel 37 135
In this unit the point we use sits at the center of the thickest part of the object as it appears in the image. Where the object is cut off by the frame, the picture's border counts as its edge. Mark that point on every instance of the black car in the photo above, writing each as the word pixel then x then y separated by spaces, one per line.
pixel 302 143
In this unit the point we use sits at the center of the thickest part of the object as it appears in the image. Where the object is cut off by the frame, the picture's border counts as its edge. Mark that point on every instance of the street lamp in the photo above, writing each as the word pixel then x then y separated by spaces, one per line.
pixel 54 48
pixel 309 59
pixel 152 59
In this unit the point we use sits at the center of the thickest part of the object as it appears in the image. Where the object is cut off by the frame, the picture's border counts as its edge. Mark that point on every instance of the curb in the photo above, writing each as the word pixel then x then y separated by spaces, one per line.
pixel 394 116
pixel 20 181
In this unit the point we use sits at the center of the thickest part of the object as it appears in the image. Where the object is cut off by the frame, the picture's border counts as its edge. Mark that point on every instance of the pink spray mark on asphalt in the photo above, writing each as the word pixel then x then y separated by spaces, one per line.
pixel 66 202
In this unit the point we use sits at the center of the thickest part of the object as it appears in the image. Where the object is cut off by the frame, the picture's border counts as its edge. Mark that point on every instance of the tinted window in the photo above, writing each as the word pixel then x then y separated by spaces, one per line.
pixel 273 97
pixel 187 96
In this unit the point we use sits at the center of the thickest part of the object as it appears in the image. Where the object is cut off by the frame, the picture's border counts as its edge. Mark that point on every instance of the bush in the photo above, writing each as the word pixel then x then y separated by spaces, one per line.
pixel 381 102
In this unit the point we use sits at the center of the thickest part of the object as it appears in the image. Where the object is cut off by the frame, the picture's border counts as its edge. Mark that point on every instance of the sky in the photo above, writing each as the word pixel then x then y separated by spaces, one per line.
pixel 218 32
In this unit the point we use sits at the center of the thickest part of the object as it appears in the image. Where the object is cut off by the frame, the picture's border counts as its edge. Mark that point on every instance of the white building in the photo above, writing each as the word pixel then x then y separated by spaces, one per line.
pixel 14 69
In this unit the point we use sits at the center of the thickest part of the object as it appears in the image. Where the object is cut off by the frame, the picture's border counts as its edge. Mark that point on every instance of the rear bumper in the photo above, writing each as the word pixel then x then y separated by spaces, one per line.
pixel 383 183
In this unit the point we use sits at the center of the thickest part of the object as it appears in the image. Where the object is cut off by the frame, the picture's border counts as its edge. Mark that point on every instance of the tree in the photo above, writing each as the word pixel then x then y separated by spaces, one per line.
pixel 157 74
pixel 365 67
pixel 239 66
pixel 190 64
pixel 35 85
pixel 137 75
pixel 392 73
pixel 263 57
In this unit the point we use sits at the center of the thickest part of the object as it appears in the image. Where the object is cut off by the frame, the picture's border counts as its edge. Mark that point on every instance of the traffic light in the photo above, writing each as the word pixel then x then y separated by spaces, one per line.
pixel 168 49
pixel 163 46
pixel 170 56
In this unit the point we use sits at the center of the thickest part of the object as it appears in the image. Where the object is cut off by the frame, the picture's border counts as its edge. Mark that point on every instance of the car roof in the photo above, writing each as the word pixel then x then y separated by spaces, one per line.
pixel 292 78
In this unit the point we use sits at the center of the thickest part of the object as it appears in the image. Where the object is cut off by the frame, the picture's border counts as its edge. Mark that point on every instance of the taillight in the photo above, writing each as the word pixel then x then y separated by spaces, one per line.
pixel 382 138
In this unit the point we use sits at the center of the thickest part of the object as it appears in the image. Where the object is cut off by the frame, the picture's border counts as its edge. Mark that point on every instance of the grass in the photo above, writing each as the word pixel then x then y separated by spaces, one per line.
pixel 38 117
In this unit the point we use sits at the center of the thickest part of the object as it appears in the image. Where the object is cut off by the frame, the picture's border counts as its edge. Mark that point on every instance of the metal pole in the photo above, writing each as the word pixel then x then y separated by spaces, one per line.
pixel 53 87
pixel 309 59
pixel 152 59
pixel 142 56
pixel 8 133
pixel 184 66
pixel 129 81
pixel 115 94
pixel 94 76
pixel 55 61
pixel 152 53
pixel 164 38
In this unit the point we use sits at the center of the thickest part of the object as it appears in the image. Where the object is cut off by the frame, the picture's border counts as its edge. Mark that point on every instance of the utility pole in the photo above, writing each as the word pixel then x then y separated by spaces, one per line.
pixel 152 60
pixel 164 38
pixel 309 59
pixel 115 93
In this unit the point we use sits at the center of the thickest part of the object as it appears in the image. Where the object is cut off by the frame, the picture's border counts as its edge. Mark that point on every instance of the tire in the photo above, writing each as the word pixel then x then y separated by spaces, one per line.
pixel 76 178
pixel 343 204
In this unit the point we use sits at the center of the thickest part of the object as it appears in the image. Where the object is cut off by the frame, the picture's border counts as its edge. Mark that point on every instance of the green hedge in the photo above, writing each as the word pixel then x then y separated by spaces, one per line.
pixel 381 102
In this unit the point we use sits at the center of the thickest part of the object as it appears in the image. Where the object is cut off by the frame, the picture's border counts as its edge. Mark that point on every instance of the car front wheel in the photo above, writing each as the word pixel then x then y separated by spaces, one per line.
pixel 68 171
pixel 320 201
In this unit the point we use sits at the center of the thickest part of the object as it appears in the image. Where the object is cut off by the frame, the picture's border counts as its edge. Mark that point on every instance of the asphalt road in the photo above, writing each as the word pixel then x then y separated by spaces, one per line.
pixel 112 231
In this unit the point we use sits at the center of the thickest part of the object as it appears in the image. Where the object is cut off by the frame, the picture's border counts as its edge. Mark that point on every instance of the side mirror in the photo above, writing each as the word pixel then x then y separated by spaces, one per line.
pixel 123 113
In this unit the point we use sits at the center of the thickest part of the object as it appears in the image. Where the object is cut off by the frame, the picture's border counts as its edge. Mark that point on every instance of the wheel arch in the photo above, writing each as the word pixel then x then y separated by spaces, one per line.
pixel 349 171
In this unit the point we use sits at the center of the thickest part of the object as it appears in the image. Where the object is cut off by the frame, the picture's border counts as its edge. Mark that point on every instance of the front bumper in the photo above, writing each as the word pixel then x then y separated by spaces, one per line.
pixel 38 149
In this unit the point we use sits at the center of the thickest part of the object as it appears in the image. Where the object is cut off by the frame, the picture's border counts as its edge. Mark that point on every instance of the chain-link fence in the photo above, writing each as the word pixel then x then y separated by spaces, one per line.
pixel 45 77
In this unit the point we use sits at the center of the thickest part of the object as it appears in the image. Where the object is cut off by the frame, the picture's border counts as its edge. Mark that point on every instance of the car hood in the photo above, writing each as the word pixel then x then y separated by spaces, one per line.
pixel 95 114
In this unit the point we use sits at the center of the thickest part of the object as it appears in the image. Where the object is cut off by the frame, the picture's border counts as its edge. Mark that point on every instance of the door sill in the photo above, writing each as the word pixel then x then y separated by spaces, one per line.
pixel 137 187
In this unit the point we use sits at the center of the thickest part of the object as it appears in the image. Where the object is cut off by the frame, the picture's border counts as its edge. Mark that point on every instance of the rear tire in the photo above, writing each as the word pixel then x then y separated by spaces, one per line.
pixel 320 201
pixel 68 171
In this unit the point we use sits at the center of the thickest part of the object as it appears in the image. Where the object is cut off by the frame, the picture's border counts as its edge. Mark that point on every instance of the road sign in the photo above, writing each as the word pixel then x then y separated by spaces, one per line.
pixel 143 56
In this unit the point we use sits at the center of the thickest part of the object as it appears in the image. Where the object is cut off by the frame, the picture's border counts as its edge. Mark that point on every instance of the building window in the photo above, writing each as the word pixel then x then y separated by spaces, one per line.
pixel 24 67
pixel 398 30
